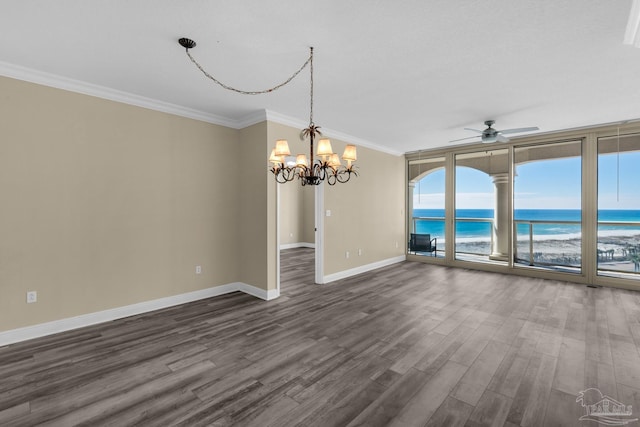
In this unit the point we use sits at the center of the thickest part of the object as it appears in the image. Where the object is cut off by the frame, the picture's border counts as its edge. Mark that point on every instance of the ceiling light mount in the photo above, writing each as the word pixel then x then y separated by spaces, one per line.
pixel 187 43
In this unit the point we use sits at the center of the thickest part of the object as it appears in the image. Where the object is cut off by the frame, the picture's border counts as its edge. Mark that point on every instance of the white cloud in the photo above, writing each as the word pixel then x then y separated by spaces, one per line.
pixel 625 201
pixel 428 201
pixel 540 201
pixel 475 201
pixel 463 201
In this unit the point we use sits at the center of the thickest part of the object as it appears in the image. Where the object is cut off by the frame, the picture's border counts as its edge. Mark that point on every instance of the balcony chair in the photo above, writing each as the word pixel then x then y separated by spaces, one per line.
pixel 422 243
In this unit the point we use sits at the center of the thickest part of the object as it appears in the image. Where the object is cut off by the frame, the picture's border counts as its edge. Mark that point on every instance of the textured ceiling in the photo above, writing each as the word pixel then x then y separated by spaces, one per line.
pixel 403 75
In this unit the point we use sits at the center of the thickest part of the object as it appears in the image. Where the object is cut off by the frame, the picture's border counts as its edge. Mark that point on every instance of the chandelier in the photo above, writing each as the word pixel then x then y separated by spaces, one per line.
pixel 325 166
pixel 312 171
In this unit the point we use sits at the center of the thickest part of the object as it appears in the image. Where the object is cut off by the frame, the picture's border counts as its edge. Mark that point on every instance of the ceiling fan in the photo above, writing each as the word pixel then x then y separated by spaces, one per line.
pixel 494 135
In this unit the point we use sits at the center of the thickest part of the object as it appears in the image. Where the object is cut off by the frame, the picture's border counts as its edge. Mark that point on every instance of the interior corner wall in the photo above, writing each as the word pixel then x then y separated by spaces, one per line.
pixel 367 213
pixel 257 216
pixel 106 204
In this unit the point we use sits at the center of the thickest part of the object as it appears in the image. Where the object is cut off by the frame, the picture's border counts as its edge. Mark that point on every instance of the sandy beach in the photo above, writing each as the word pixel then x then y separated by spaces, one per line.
pixel 614 251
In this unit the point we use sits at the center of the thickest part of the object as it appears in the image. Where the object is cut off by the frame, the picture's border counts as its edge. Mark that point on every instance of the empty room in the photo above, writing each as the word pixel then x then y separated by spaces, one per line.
pixel 296 213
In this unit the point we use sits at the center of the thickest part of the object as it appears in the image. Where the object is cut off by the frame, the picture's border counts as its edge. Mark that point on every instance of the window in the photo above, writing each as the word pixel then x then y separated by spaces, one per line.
pixel 618 248
pixel 563 206
pixel 427 210
pixel 548 206
pixel 481 214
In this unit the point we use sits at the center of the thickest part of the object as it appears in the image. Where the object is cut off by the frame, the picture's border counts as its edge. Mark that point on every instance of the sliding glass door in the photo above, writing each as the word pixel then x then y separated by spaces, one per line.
pixel 482 206
pixel 618 248
pixel 548 206
pixel 426 207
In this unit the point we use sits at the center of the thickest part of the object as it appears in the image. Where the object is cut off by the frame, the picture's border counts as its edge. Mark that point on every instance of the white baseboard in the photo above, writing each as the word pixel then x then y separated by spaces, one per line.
pixel 62 325
pixel 257 292
pixel 298 245
pixel 363 269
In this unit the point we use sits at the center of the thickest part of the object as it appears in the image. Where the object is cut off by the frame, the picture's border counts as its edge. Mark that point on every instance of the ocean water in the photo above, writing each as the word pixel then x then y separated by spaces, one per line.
pixel 481 231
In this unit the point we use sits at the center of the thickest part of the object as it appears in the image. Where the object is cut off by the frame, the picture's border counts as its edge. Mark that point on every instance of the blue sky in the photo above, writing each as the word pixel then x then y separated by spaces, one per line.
pixel 551 184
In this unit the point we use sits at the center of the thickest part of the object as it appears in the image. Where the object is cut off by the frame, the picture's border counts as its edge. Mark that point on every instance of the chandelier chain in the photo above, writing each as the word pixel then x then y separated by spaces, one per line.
pixel 311 94
pixel 258 92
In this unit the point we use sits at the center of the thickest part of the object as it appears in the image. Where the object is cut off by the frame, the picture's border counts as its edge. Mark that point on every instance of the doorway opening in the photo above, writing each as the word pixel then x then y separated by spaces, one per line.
pixel 297 236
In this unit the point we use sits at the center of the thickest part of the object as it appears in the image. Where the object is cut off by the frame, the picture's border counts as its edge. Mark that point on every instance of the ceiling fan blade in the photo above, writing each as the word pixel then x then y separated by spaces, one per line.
pixel 518 130
pixel 474 130
pixel 462 139
pixel 501 138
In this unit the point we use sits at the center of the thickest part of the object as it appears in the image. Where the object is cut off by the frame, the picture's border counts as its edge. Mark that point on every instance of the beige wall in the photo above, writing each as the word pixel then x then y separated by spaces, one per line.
pixel 367 213
pixel 257 216
pixel 105 204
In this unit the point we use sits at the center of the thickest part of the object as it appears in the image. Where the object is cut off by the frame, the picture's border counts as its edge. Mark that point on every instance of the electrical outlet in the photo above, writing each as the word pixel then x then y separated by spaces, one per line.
pixel 396 245
pixel 346 255
pixel 32 296
pixel 359 252
pixel 198 269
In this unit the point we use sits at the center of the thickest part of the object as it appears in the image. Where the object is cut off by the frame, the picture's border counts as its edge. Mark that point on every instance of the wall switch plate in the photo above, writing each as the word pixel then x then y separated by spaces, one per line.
pixel 32 296
pixel 359 252
pixel 346 255
pixel 198 269
pixel 328 212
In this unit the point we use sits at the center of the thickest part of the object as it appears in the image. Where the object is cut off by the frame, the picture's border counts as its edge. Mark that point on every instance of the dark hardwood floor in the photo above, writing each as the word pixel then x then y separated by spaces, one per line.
pixel 406 345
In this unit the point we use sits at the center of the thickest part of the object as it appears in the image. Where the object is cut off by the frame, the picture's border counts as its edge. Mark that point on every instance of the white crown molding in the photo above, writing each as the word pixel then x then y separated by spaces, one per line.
pixel 272 116
pixel 251 119
pixel 363 269
pixel 360 142
pixel 52 80
pixel 62 325
pixel 283 119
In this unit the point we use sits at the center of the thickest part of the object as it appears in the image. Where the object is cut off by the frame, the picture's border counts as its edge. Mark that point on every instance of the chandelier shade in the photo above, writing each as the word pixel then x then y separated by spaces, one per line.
pixel 301 161
pixel 334 161
pixel 324 148
pixel 350 153
pixel 282 148
pixel 275 159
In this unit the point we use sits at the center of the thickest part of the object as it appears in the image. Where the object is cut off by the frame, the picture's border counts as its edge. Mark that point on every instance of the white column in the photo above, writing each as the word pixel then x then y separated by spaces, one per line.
pixel 412 186
pixel 500 247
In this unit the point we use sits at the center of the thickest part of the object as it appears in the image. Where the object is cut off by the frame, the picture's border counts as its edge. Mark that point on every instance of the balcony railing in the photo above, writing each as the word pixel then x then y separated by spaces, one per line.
pixel 619 253
pixel 565 249
pixel 478 245
pixel 615 253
